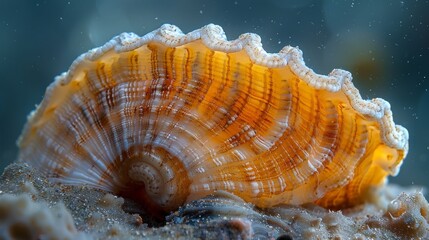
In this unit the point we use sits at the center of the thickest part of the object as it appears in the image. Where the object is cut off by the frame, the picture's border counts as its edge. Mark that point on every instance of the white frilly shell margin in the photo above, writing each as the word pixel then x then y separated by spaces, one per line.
pixel 214 38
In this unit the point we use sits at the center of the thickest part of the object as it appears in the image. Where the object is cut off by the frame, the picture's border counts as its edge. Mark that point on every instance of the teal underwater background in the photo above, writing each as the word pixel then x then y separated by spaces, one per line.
pixel 385 44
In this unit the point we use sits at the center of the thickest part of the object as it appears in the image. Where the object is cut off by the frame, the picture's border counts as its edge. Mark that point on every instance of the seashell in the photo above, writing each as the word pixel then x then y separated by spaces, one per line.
pixel 170 117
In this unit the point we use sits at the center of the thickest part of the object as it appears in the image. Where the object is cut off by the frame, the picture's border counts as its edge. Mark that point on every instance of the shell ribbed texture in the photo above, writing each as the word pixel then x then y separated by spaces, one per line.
pixel 171 117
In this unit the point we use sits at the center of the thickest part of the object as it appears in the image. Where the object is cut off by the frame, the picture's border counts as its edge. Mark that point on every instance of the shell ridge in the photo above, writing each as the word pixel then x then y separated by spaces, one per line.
pixel 264 125
pixel 93 152
pixel 214 37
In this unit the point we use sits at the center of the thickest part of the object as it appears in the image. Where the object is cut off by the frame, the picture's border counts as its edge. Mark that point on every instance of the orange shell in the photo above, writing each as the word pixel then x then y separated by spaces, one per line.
pixel 170 118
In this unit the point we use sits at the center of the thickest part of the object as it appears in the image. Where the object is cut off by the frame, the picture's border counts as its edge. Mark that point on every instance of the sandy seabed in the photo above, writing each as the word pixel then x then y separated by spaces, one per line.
pixel 31 207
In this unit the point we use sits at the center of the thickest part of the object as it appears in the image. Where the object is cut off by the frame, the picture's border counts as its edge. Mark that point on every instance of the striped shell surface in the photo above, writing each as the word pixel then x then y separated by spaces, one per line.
pixel 172 117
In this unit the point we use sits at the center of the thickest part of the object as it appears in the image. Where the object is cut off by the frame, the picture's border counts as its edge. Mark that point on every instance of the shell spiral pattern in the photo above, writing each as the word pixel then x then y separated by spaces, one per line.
pixel 171 117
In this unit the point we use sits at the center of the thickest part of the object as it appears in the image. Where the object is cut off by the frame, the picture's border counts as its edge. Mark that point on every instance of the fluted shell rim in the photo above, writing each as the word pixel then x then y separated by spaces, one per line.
pixel 213 37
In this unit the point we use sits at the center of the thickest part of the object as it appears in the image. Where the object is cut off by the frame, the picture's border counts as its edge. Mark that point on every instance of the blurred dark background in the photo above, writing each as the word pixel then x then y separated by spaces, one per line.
pixel 385 44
